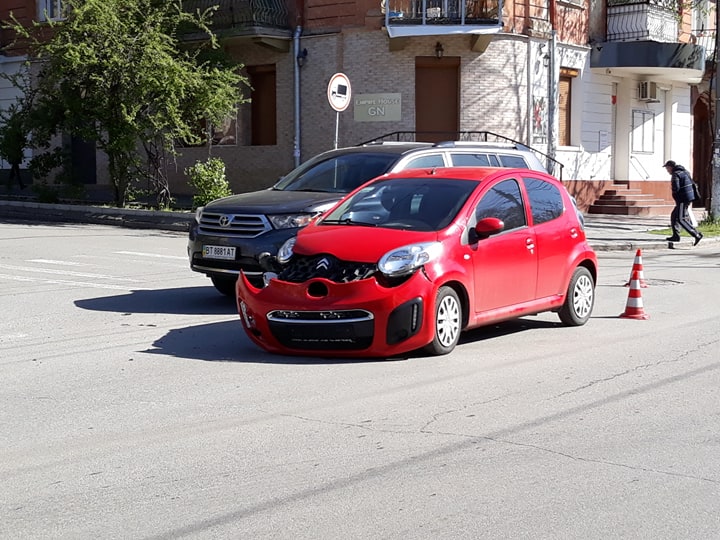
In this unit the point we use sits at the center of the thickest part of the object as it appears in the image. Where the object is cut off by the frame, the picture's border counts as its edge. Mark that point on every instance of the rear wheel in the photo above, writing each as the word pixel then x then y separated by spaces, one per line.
pixel 580 298
pixel 448 322
pixel 225 286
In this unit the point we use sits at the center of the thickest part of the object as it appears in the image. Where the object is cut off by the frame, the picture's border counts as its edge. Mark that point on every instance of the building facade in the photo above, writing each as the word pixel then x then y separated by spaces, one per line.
pixel 608 89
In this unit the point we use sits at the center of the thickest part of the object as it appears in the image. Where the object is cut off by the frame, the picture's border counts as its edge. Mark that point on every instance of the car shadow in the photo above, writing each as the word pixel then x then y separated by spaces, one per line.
pixel 182 301
pixel 226 342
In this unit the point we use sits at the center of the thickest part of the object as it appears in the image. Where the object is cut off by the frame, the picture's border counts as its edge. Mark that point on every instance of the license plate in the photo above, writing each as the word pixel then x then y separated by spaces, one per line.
pixel 219 252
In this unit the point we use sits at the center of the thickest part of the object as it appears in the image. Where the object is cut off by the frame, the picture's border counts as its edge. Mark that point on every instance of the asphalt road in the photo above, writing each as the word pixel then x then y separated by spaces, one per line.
pixel 134 407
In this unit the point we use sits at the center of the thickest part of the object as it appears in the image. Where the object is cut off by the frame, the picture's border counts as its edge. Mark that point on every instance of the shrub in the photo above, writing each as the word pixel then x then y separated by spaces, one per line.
pixel 208 178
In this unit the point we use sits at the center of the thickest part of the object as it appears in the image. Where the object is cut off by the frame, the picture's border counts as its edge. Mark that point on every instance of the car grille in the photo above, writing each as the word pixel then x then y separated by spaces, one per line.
pixel 343 330
pixel 238 225
pixel 300 269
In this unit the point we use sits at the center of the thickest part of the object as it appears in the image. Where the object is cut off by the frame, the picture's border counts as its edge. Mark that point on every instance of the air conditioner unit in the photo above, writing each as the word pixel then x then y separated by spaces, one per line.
pixel 647 91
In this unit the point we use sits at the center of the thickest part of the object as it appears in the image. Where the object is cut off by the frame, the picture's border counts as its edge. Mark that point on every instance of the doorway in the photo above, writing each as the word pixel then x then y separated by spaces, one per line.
pixel 437 98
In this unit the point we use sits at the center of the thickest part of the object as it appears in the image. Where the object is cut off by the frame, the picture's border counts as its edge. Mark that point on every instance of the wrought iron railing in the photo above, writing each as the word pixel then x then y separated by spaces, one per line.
pixel 631 20
pixel 243 13
pixel 706 39
pixel 470 136
pixel 441 12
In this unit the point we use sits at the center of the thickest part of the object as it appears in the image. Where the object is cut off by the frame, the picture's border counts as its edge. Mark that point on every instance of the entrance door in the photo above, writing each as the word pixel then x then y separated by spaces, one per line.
pixel 437 98
pixel 83 160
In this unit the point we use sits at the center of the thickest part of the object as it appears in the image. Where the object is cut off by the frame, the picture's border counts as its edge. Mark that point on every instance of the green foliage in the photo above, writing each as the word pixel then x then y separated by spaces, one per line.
pixel 208 178
pixel 116 73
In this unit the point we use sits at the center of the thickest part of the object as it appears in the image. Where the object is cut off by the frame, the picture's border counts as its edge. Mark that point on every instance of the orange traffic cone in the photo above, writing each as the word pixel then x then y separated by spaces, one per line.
pixel 634 307
pixel 637 267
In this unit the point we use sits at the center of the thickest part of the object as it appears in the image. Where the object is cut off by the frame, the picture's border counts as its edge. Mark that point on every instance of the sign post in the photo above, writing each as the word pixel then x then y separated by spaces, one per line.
pixel 339 94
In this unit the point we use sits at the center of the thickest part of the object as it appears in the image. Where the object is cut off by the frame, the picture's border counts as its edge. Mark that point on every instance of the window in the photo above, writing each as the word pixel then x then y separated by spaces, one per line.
pixel 225 134
pixel 435 160
pixel 643 131
pixel 513 161
pixel 50 10
pixel 503 201
pixel 470 160
pixel 546 202
pixel 565 105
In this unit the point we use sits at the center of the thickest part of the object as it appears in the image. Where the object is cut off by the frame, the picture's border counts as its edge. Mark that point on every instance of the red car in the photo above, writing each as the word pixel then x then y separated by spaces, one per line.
pixel 411 259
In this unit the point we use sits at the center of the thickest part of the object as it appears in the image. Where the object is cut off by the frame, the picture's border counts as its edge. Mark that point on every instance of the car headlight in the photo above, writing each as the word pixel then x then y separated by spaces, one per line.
pixel 407 259
pixel 286 250
pixel 290 221
pixel 198 213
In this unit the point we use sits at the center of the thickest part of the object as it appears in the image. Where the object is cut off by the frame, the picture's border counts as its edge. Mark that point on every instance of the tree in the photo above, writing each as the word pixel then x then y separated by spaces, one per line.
pixel 116 72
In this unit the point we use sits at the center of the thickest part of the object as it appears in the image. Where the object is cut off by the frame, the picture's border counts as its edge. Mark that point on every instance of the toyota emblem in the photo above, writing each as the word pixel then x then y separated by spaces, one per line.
pixel 225 220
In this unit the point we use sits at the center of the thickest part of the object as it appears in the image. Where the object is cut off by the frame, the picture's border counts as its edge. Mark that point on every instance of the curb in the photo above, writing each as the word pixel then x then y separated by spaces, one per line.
pixel 122 217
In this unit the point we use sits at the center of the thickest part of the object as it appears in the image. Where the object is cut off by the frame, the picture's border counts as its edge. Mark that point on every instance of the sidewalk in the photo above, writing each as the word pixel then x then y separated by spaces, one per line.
pixel 605 232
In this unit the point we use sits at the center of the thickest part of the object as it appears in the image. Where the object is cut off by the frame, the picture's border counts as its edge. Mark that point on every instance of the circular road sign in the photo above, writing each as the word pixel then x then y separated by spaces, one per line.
pixel 339 92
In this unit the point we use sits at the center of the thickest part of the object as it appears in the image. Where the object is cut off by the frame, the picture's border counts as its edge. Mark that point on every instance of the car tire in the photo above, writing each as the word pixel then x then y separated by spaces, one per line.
pixel 579 299
pixel 225 286
pixel 447 321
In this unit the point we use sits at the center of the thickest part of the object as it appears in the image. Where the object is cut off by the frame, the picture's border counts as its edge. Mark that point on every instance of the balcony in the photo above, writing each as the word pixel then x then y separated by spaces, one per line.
pixel 237 18
pixel 441 17
pixel 642 40
pixel 706 40
pixel 633 20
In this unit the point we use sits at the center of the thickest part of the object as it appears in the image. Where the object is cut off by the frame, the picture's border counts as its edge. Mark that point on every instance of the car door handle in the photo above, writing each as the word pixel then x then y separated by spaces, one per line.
pixel 573 233
pixel 530 244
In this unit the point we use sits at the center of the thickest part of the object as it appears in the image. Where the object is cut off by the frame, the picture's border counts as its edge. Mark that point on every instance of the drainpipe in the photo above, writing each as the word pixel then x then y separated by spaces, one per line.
pixel 552 83
pixel 296 93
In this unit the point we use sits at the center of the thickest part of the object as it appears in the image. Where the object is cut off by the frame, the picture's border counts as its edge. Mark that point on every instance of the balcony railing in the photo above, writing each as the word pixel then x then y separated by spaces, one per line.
pixel 706 39
pixel 442 12
pixel 635 20
pixel 233 14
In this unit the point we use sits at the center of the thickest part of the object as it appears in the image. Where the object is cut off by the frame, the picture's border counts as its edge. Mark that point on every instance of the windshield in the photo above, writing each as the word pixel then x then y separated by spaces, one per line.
pixel 419 204
pixel 337 174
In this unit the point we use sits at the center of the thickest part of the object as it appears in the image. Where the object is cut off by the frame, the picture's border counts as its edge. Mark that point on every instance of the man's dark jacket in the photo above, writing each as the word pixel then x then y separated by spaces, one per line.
pixel 682 185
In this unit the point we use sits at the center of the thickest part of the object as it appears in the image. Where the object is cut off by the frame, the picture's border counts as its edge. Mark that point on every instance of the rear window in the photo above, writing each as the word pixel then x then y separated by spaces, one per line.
pixel 517 162
pixel 546 201
pixel 338 174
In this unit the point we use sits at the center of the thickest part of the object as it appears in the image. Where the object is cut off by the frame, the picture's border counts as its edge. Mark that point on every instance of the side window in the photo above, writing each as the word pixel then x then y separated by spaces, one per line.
pixel 504 202
pixel 422 162
pixel 494 161
pixel 517 162
pixel 470 160
pixel 546 202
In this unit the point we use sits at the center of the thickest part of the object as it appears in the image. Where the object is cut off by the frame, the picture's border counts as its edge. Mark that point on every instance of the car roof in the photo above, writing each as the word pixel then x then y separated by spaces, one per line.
pixel 467 173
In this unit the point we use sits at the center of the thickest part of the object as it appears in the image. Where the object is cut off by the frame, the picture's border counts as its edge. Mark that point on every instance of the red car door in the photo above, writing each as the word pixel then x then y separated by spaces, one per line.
pixel 505 265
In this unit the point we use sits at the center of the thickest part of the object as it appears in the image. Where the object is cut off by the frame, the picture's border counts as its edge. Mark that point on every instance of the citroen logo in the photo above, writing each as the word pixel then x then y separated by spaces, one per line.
pixel 323 264
pixel 225 220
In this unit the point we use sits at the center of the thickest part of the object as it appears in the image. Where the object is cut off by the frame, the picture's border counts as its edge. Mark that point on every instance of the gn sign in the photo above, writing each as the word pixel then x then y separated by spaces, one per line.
pixel 377 107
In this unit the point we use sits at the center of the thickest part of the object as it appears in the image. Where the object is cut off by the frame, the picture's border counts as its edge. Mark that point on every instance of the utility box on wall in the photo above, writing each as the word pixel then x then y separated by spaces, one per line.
pixel 647 91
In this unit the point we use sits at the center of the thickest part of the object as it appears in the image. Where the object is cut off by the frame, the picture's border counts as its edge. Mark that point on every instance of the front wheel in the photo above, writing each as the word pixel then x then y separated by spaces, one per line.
pixel 448 322
pixel 225 286
pixel 580 298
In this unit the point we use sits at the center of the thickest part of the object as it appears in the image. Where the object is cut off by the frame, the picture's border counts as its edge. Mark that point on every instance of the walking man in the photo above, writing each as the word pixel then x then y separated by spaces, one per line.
pixel 682 192
pixel 12 146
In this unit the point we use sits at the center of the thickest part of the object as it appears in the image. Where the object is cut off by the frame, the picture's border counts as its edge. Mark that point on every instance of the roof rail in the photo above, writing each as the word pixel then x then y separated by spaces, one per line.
pixel 467 136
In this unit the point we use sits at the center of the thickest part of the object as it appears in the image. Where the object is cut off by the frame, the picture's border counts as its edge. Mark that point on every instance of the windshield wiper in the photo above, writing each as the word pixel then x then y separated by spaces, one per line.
pixel 349 221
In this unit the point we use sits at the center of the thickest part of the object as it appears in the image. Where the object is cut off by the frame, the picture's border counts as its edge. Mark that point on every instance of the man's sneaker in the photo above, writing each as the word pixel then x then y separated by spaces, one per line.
pixel 698 238
pixel 673 239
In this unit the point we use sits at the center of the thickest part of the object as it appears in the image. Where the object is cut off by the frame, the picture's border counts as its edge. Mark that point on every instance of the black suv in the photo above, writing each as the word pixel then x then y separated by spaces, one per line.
pixel 231 234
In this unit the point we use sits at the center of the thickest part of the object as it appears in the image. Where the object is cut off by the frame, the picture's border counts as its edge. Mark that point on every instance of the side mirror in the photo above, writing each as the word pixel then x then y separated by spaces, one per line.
pixel 488 226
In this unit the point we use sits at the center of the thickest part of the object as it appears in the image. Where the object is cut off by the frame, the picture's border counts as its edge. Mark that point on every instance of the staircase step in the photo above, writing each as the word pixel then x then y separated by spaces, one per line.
pixel 633 201
pixel 627 210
